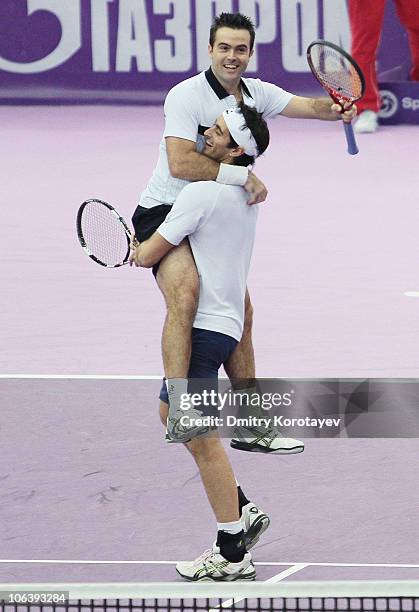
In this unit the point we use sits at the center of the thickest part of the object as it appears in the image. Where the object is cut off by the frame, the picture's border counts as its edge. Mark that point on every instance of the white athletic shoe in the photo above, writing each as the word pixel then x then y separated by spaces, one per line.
pixel 213 567
pixel 255 523
pixel 367 122
pixel 265 440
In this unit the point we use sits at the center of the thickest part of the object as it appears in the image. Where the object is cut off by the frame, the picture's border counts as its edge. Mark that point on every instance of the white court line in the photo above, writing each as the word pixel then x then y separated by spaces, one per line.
pixel 80 377
pixel 411 293
pixel 264 563
pixel 277 578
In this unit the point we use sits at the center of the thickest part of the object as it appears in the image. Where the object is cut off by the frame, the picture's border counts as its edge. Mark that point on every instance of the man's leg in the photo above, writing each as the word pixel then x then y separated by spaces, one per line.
pixel 241 363
pixel 229 489
pixel 216 473
pixel 209 351
pixel 220 485
pixel 237 526
pixel 217 477
pixel 241 370
pixel 232 509
pixel 178 280
pixel 228 558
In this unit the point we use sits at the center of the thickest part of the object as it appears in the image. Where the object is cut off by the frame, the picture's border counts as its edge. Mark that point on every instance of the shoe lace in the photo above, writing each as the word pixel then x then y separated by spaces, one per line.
pixel 273 433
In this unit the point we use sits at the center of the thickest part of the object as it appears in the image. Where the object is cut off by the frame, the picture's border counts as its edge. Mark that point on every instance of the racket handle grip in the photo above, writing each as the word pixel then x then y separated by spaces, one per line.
pixel 350 139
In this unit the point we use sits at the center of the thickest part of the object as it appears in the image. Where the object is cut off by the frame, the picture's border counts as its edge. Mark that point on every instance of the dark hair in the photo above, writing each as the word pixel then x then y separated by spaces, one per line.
pixel 260 132
pixel 236 21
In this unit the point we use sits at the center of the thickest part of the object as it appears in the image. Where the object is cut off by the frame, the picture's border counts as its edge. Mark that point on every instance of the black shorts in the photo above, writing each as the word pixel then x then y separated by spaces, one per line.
pixel 210 349
pixel 145 222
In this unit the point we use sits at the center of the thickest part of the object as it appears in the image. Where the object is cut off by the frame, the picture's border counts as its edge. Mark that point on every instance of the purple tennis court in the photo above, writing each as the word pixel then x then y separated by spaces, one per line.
pixel 90 492
pixel 86 476
pixel 335 252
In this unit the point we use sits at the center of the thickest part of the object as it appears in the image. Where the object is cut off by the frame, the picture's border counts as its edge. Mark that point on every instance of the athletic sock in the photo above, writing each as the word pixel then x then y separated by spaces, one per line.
pixel 250 407
pixel 243 501
pixel 176 387
pixel 233 527
pixel 231 546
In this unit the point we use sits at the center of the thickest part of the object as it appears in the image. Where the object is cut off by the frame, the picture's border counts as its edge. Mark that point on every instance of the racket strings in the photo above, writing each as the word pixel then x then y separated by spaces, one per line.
pixel 336 73
pixel 104 234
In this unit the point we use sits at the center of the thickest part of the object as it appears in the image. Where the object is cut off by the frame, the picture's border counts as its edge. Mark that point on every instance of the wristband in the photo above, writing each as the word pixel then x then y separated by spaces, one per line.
pixel 232 175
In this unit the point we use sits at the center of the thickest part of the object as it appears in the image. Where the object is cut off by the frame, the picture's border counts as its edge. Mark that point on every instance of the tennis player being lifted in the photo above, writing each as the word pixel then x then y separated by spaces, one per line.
pixel 221 228
pixel 190 107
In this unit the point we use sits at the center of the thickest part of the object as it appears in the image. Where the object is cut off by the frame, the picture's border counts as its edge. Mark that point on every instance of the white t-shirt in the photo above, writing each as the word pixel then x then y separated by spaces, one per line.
pixel 221 228
pixel 193 106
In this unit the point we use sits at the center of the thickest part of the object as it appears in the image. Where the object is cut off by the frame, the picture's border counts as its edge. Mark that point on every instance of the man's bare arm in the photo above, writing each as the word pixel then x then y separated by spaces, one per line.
pixel 186 163
pixel 317 108
pixel 149 252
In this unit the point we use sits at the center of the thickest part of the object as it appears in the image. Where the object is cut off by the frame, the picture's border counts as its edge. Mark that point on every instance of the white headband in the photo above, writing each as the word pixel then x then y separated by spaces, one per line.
pixel 239 131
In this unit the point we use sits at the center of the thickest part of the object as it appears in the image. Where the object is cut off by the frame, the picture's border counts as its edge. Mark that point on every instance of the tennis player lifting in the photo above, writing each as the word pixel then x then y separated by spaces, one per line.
pixel 221 228
pixel 190 107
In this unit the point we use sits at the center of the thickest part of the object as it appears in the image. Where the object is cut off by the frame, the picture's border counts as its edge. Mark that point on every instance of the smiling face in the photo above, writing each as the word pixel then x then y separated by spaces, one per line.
pixel 217 141
pixel 230 55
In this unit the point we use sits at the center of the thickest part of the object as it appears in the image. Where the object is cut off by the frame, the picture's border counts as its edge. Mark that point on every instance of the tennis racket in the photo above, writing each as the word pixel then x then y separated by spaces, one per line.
pixel 103 233
pixel 342 78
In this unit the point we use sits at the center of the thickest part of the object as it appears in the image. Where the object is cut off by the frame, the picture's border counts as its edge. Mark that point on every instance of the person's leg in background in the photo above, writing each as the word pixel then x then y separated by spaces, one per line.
pixel 366 21
pixel 408 12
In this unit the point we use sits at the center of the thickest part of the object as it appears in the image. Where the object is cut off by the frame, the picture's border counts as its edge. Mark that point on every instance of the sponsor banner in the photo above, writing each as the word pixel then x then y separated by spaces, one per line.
pixel 399 102
pixel 136 50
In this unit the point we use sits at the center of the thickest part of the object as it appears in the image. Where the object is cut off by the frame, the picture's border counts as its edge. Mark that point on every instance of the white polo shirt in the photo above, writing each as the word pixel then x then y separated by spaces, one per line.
pixel 221 228
pixel 190 108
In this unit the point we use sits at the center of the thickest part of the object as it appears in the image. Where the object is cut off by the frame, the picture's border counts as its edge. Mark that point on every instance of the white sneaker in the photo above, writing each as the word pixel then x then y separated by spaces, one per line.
pixel 255 523
pixel 367 122
pixel 265 440
pixel 213 567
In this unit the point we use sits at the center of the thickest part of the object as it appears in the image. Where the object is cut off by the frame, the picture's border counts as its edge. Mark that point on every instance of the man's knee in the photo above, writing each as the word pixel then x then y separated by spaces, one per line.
pixel 178 280
pixel 205 449
pixel 183 298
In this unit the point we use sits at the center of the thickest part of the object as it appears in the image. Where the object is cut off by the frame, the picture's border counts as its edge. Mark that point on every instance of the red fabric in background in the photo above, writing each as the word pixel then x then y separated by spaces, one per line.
pixel 366 19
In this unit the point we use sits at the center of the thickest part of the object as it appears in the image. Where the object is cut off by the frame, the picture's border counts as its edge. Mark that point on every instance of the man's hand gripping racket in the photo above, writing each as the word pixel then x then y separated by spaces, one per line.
pixel 342 78
pixel 103 234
